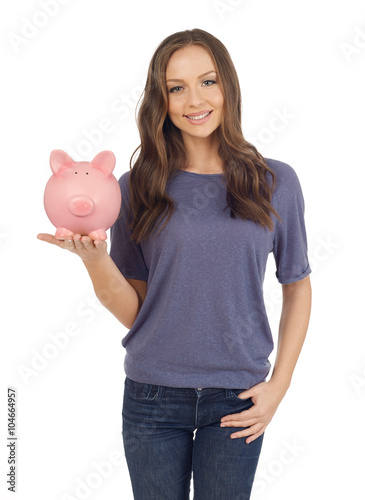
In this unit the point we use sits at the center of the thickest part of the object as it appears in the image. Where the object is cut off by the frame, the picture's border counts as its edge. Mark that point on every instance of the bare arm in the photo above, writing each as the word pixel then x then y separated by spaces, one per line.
pixel 266 396
pixel 293 326
pixel 122 297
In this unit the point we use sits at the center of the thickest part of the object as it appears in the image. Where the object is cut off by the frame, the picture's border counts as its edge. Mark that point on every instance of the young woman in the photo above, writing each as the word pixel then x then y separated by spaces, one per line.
pixel 201 211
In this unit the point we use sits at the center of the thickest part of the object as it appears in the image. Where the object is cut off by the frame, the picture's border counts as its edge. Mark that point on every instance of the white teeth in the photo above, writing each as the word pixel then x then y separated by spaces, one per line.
pixel 198 117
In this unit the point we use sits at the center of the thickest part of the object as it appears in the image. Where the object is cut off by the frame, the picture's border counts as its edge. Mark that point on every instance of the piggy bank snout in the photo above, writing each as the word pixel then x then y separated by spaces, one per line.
pixel 81 205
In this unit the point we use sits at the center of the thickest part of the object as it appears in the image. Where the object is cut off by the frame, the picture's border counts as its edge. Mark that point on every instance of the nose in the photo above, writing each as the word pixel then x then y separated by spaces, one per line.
pixel 80 205
pixel 195 99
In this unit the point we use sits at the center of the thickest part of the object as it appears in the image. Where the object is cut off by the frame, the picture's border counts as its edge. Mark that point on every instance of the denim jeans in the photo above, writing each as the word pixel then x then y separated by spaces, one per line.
pixel 170 433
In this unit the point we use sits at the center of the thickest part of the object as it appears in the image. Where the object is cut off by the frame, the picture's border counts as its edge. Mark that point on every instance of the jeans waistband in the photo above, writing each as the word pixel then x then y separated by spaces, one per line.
pixel 192 391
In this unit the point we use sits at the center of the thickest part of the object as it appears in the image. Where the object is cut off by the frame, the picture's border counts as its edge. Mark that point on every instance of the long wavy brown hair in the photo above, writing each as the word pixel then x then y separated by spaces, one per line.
pixel 162 153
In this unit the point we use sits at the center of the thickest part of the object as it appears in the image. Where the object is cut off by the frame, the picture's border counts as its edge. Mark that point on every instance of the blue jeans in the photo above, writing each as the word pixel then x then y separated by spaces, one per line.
pixel 162 451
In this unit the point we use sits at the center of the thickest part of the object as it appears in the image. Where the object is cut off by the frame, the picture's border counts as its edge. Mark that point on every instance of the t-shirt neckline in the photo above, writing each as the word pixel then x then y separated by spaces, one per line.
pixel 196 173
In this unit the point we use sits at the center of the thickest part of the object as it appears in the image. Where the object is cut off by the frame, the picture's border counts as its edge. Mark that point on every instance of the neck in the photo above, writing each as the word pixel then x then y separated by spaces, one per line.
pixel 202 154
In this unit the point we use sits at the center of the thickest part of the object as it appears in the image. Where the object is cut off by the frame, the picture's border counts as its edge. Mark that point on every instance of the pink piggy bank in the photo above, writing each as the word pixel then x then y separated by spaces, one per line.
pixel 82 197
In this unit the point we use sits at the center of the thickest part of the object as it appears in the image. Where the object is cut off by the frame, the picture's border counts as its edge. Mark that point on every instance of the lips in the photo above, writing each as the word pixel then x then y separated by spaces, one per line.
pixel 199 118
pixel 200 115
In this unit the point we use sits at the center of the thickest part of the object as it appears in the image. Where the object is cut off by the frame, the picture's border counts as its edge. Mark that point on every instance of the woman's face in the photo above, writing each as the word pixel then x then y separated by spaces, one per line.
pixel 195 98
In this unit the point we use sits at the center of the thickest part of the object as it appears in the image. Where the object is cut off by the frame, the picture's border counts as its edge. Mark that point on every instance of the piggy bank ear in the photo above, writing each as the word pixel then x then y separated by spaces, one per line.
pixel 59 160
pixel 104 161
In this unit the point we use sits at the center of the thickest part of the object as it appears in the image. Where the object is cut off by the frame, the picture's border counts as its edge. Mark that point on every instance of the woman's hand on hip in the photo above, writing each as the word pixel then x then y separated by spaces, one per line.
pixel 266 398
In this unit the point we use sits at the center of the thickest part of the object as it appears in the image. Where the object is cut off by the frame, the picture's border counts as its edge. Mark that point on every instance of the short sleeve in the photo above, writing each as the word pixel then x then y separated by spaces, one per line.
pixel 126 253
pixel 290 240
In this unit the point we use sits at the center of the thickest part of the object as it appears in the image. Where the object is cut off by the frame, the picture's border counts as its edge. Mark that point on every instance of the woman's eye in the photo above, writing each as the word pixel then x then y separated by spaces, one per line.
pixel 209 82
pixel 174 89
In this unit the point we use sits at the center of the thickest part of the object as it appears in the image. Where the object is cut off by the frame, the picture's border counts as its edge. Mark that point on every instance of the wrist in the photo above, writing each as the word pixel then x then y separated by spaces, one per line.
pixel 281 384
pixel 96 263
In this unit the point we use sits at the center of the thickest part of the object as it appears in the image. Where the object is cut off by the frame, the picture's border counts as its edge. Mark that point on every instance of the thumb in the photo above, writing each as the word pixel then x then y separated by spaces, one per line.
pixel 248 394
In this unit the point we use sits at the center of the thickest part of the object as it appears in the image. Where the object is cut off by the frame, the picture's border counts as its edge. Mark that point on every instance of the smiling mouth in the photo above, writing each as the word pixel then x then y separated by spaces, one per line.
pixel 198 117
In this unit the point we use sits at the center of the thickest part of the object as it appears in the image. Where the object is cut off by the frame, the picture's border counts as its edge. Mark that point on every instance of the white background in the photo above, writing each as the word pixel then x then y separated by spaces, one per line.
pixel 67 67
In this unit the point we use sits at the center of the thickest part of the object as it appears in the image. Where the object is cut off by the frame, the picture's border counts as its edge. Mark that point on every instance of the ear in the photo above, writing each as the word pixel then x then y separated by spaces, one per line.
pixel 104 161
pixel 58 160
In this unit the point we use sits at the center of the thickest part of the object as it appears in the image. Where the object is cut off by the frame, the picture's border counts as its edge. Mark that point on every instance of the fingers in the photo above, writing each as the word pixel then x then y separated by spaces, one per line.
pixel 254 436
pixel 253 432
pixel 84 246
pixel 100 244
pixel 247 432
pixel 239 423
pixel 76 240
pixel 91 243
pixel 69 243
pixel 87 242
pixel 50 238
pixel 243 416
pixel 247 394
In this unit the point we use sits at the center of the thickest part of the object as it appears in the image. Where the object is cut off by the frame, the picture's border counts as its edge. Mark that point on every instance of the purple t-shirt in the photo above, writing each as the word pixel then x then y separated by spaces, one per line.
pixel 203 322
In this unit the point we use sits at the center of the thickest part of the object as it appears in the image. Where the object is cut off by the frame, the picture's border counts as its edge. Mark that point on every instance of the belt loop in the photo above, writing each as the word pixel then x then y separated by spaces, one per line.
pixel 161 391
pixel 228 393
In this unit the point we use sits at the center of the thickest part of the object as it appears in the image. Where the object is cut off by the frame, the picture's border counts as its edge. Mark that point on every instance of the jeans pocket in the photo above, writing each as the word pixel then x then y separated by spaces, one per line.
pixel 236 392
pixel 140 390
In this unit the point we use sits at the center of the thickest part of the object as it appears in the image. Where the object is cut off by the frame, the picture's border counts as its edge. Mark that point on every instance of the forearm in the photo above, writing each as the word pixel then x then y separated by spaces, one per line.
pixel 114 291
pixel 293 326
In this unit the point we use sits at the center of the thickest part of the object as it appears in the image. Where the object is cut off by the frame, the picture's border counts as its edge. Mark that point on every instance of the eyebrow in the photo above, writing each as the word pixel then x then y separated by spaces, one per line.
pixel 200 76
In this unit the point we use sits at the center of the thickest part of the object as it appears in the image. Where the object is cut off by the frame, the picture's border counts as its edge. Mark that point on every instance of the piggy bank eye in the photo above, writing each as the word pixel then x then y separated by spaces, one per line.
pixel 75 172
pixel 87 173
